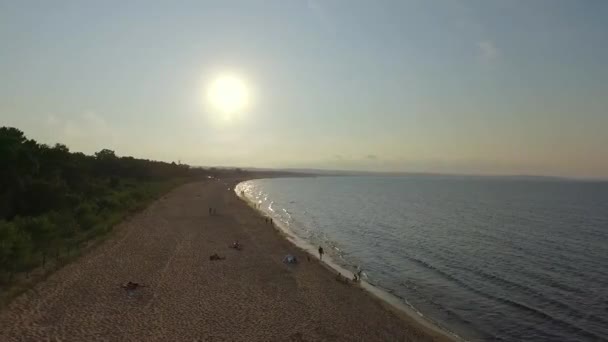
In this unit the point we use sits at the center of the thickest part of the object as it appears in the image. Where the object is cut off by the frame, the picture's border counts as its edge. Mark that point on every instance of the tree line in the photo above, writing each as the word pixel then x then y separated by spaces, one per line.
pixel 52 200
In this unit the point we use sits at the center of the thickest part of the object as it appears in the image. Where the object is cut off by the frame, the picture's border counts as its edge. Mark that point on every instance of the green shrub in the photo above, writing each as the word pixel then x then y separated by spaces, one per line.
pixel 87 215
pixel 15 249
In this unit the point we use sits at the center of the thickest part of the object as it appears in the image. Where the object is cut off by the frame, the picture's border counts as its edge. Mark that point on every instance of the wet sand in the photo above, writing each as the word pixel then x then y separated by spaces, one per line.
pixel 249 296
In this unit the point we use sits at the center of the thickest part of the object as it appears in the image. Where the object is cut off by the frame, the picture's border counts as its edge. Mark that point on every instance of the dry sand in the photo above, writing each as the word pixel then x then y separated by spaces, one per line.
pixel 250 296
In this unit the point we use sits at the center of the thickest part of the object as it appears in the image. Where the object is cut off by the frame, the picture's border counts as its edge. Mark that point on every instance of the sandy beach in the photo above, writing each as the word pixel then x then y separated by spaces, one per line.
pixel 249 296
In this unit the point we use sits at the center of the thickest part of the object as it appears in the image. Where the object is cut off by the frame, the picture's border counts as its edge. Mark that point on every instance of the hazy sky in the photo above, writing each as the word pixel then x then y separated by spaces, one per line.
pixel 489 87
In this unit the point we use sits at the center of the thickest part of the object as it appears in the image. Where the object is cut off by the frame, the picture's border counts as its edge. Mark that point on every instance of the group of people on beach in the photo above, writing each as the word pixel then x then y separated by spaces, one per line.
pixel 356 275
pixel 289 259
pixel 212 211
pixel 235 245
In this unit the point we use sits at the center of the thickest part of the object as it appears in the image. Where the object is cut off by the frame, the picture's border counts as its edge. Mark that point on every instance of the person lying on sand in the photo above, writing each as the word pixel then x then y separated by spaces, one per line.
pixel 341 278
pixel 130 286
pixel 214 257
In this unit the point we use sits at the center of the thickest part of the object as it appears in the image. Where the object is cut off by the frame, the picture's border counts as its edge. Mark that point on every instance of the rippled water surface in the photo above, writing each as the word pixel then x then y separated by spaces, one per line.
pixel 490 259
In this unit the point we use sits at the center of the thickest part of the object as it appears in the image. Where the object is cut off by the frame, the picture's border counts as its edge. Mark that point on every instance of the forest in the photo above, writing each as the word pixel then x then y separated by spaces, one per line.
pixel 53 200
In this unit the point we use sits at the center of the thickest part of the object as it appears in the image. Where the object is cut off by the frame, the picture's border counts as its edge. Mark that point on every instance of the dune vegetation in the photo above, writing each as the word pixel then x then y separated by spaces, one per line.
pixel 53 200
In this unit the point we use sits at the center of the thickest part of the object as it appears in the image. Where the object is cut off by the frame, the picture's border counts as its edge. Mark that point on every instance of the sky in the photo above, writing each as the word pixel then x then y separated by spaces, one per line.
pixel 473 87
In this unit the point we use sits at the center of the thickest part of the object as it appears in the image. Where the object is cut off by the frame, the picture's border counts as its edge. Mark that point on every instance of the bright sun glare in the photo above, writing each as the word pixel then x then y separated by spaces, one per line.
pixel 228 94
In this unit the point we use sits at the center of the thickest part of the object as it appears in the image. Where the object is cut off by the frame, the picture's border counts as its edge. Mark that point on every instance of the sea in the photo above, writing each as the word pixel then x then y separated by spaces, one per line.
pixel 485 258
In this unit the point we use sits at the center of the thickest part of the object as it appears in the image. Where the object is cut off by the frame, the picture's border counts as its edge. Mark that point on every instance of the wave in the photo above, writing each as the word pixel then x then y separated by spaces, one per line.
pixel 567 310
pixel 534 311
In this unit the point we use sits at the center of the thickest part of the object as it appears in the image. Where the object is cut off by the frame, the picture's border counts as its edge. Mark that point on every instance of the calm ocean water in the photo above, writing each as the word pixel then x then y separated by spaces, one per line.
pixel 487 258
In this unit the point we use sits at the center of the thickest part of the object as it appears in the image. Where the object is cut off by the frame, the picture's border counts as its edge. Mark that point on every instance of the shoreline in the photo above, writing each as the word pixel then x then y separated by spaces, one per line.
pixel 250 295
pixel 392 302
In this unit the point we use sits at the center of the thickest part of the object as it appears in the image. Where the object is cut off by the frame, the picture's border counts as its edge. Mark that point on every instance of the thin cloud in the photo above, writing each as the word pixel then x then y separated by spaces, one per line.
pixel 487 51
pixel 320 13
pixel 88 132
pixel 85 126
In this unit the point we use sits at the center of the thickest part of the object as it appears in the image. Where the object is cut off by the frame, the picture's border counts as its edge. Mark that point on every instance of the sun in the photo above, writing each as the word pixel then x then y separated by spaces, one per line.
pixel 228 94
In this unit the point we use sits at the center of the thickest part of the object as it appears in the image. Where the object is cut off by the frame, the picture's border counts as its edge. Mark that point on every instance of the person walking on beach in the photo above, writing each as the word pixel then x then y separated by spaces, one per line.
pixel 321 253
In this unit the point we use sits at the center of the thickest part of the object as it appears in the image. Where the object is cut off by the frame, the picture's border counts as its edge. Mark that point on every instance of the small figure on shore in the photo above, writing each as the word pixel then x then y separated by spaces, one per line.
pixel 266 220
pixel 271 223
pixel 357 275
pixel 341 278
pixel 321 252
pixel 210 211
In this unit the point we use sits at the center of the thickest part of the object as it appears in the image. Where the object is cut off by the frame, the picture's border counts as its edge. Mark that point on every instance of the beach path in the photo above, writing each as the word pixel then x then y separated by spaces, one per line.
pixel 249 296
